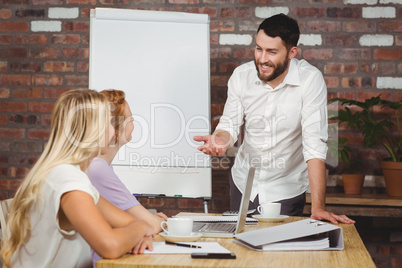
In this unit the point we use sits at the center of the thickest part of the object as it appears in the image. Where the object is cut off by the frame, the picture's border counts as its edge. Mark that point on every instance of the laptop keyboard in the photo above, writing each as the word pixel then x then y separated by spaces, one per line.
pixel 215 227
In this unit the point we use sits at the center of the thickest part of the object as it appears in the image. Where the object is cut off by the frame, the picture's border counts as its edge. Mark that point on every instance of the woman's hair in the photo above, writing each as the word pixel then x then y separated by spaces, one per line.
pixel 78 126
pixel 117 99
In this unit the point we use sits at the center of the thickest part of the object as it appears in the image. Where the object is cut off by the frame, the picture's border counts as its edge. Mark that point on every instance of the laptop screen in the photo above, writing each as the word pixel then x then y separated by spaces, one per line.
pixel 241 221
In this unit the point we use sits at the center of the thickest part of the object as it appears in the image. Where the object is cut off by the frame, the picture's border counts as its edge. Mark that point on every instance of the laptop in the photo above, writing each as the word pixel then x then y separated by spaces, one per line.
pixel 228 228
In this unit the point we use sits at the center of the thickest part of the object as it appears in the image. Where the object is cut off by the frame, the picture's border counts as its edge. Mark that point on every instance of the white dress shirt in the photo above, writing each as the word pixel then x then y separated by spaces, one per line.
pixel 284 128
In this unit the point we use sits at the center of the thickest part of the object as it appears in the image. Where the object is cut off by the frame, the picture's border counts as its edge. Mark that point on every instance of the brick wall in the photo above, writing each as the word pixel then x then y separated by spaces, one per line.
pixel 44 51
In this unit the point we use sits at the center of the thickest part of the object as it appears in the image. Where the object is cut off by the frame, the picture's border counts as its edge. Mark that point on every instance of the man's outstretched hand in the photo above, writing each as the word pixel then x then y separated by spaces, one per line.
pixel 213 145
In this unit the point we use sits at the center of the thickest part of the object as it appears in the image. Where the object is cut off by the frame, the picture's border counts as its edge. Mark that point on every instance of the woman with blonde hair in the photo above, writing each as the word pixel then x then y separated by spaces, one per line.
pixel 57 212
pixel 101 172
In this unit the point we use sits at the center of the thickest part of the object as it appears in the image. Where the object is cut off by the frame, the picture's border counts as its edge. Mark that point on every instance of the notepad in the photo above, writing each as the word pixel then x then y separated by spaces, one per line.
pixel 206 247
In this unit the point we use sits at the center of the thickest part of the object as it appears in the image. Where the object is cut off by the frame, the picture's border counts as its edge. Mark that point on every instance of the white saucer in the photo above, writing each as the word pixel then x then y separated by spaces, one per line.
pixel 171 238
pixel 274 219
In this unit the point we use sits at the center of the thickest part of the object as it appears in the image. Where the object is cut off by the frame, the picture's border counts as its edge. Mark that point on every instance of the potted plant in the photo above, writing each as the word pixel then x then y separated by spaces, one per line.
pixel 352 177
pixel 377 130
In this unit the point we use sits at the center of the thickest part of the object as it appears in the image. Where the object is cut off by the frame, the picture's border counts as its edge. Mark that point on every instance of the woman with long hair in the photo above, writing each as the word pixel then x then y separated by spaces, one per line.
pixel 56 211
pixel 101 172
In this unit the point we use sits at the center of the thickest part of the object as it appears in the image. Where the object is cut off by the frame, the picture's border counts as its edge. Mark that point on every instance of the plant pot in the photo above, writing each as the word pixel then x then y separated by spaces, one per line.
pixel 353 183
pixel 393 177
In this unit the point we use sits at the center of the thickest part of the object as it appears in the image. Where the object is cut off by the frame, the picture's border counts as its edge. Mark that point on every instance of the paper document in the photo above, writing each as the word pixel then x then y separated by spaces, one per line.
pixel 208 247
pixel 299 244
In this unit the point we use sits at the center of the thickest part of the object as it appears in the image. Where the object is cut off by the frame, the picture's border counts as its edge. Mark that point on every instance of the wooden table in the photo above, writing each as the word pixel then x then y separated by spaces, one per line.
pixel 354 255
pixel 369 205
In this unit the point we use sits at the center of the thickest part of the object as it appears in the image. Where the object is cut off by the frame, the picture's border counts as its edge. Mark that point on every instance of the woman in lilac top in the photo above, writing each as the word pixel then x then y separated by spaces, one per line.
pixel 101 173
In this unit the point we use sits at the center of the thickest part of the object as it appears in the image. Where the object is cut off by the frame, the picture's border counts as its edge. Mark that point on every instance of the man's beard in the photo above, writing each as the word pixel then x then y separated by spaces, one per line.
pixel 278 70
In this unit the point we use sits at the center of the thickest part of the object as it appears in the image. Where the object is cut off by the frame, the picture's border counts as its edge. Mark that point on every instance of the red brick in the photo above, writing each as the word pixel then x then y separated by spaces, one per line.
pixel 347 12
pixel 14 26
pixel 323 26
pixel 13 53
pixel 243 53
pixel 397 96
pixel 310 12
pixel 240 12
pixel 24 119
pixel 217 109
pixel 248 26
pixel 46 120
pixel 47 80
pixel 221 52
pixel 18 172
pixel 228 67
pixel 331 82
pixel 81 2
pixel 3 173
pixel 390 26
pixel 47 2
pixel 47 52
pixel 4 93
pixel 26 13
pixel 6 39
pixel 363 95
pixel 76 80
pixel 318 54
pixel 222 26
pixel 12 133
pixel 39 134
pixel 3 119
pixel 76 26
pixel 386 68
pixel 15 79
pixel 358 82
pixel 81 53
pixel 34 93
pixel 13 106
pixel 85 39
pixel 398 40
pixel 82 67
pixel 31 39
pixel 190 203
pixel 58 66
pixel 3 66
pixel 5 13
pixel 259 2
pixel 183 2
pixel 354 54
pixel 342 94
pixel 65 39
pixel 214 39
pixel 359 26
pixel 218 2
pixel 340 40
pixel 369 67
pixel 25 66
pixel 219 80
pixel 387 54
pixel 54 92
pixel 396 262
pixel 41 107
pixel 211 11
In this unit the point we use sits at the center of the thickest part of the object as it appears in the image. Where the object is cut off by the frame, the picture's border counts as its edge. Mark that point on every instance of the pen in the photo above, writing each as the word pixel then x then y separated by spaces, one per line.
pixel 181 245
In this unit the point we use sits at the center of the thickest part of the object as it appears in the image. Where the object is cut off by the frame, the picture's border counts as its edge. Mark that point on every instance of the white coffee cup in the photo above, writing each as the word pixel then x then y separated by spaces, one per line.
pixel 269 210
pixel 178 226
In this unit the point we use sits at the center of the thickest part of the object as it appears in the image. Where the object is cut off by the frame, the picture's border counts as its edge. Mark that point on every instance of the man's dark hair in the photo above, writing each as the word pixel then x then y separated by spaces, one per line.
pixel 283 26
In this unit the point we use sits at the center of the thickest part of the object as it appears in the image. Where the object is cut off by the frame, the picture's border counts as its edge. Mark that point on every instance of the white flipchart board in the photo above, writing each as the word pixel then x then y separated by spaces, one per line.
pixel 161 61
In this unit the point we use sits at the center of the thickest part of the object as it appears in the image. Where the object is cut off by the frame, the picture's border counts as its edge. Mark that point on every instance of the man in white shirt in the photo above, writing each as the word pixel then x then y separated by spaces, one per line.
pixel 282 103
